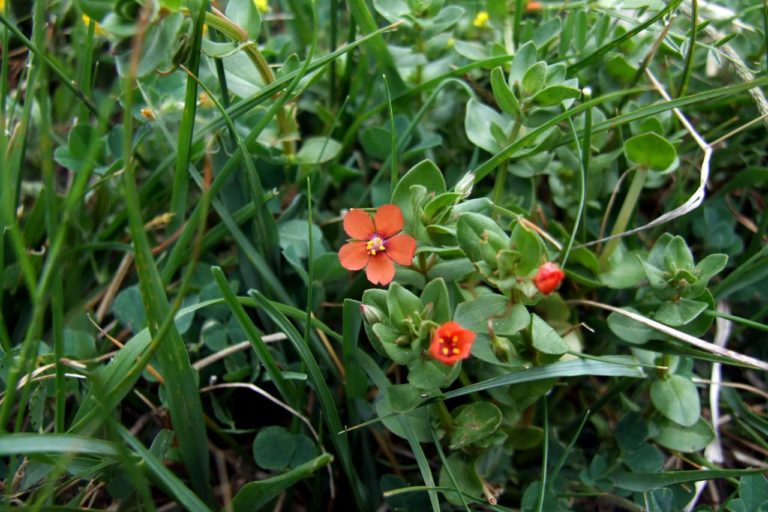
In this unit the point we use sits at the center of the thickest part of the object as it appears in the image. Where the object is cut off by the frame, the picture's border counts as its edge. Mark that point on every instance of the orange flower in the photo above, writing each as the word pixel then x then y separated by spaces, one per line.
pixel 376 244
pixel 451 343
pixel 549 277
pixel 534 7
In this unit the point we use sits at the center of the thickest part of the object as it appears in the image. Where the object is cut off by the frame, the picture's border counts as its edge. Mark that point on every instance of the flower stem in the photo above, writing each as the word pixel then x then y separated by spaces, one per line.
pixel 624 214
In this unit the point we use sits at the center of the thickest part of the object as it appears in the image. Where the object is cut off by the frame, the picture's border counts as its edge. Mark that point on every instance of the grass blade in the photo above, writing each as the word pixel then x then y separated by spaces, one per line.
pixel 330 411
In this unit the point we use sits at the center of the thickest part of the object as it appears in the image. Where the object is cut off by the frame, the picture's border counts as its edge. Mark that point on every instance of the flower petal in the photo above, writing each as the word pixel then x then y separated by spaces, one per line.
pixel 380 269
pixel 451 343
pixel 353 256
pixel 388 220
pixel 400 249
pixel 358 224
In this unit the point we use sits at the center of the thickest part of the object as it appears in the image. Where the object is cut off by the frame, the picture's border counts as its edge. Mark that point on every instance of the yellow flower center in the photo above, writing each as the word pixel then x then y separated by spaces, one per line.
pixel 374 245
pixel 448 345
pixel 261 5
pixel 481 19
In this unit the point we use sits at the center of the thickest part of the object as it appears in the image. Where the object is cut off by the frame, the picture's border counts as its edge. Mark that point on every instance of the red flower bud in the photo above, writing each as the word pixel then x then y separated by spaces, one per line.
pixel 549 277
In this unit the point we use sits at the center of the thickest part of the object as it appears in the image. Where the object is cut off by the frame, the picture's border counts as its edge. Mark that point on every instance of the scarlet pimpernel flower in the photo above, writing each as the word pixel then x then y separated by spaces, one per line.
pixel 549 277
pixel 451 343
pixel 375 243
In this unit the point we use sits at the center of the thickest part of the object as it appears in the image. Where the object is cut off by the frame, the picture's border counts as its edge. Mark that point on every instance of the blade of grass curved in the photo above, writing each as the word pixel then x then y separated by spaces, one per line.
pixel 52 64
pixel 642 482
pixel 256 494
pixel 382 382
pixel 448 471
pixel 46 444
pixel 489 165
pixel 444 490
pixel 364 19
pixel 356 384
pixel 680 335
pixel 161 474
pixel 422 461
pixel 624 367
pixel 119 376
pixel 262 352
pixel 324 395
pixel 621 39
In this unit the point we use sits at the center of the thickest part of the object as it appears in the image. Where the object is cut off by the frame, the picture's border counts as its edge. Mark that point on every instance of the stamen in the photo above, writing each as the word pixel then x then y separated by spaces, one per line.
pixel 374 245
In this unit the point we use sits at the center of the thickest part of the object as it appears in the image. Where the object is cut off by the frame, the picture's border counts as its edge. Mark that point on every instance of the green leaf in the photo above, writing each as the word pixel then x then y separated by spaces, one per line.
pixel 474 422
pixel 451 270
pixel 480 237
pixel 440 204
pixel 418 420
pixel 293 233
pixel 403 397
pixel 431 375
pixel 304 450
pixel 545 339
pixel 676 398
pixel 318 150
pixel 129 310
pixel 503 94
pixel 631 431
pixel 630 330
pixel 530 247
pixel 650 151
pixel 401 304
pixel 525 57
pixel 524 438
pixel 646 458
pixel 534 78
pixel 624 270
pixel 391 10
pixel 711 265
pixel 425 174
pixel 505 319
pixel 555 94
pixel 680 312
pixel 446 18
pixel 75 154
pixel 478 120
pixel 79 344
pixel 434 297
pixel 158 44
pixel 273 447
pixel 254 495
pixel 245 14
pixel 753 495
pixel 684 439
pixel 464 473
pixel 677 255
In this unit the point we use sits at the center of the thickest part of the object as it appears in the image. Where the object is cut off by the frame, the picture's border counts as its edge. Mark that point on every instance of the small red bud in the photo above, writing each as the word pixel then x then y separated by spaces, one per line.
pixel 549 277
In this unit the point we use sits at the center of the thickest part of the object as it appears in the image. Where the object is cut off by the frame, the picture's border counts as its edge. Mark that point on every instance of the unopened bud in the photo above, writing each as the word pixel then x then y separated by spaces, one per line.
pixel 465 184
pixel 371 314
pixel 549 277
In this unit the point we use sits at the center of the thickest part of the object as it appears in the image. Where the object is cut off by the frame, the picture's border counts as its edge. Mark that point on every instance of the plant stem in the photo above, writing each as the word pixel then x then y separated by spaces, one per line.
pixel 630 201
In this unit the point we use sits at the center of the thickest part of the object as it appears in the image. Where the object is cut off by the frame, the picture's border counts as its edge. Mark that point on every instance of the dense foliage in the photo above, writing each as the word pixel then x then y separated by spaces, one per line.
pixel 420 254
